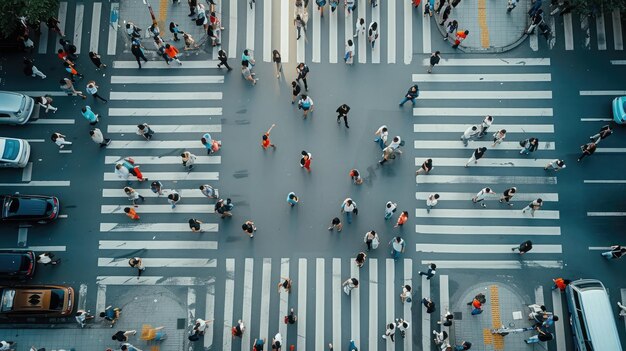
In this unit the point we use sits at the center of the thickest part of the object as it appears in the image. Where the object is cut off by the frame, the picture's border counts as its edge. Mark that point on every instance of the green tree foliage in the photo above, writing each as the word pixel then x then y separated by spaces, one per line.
pixel 33 10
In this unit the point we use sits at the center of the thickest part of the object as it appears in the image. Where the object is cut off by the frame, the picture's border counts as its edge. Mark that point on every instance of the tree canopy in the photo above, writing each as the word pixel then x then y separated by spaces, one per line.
pixel 33 10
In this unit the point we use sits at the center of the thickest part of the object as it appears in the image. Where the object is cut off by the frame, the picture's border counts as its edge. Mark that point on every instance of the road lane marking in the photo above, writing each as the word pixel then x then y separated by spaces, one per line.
pixel 266 286
pixel 285 23
pixel 602 92
pixel 300 44
pixel 558 327
pixel 267 31
pixel 283 303
pixel 320 292
pixel 485 230
pixel 332 35
pixel 157 245
pixel 302 304
pixel 162 65
pixel 604 181
pixel 458 145
pixel 426 36
pixel 229 300
pixel 210 309
pixel 355 304
pixel 408 35
pixel 82 297
pixel 376 18
pixel 95 27
pixel 489 162
pixel 495 264
pixel 247 300
pixel 154 227
pixel 596 119
pixel 160 144
pixel 164 160
pixel 444 298
pixel 606 214
pixel 22 236
pixel 485 95
pixel 173 95
pixel 169 80
pixel 361 41
pixel 480 78
pixel 408 280
pixel 482 111
pixel 373 301
pixel 391 29
pixel 460 128
pixel 46 183
pixel 184 193
pixel 78 26
pixel 111 177
pixel 457 196
pixel 426 316
pixel 43 39
pixel 483 249
pixel 159 262
pixel 167 128
pixel 114 18
pixel 165 111
pixel 53 121
pixel 611 150
pixel 39 248
pixel 250 19
pixel 390 314
pixel 569 31
pixel 490 62
pixel 143 209
pixel 618 42
pixel 62 17
pixel 153 280
pixel 599 248
pixel 316 34
pixel 600 31
pixel 27 172
pixel 337 290
pixel 232 36
pixel 480 213
pixel 453 179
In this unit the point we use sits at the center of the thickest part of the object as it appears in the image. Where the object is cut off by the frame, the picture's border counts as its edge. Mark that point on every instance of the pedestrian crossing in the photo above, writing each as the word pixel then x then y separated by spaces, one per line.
pixel 496 229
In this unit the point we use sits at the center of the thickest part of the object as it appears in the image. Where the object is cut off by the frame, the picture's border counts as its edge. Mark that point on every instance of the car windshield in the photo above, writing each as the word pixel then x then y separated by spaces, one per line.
pixel 56 299
pixel 7 300
pixel 11 149
pixel 14 205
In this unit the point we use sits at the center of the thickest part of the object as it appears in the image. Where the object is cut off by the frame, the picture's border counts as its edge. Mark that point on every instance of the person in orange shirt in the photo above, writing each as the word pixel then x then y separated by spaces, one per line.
pixel 560 283
pixel 172 53
pixel 460 36
pixel 265 143
pixel 404 216
pixel 131 213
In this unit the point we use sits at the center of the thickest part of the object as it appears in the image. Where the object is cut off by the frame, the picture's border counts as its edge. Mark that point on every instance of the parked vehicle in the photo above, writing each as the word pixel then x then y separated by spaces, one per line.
pixel 17 108
pixel 619 109
pixel 30 208
pixel 36 300
pixel 17 264
pixel 14 153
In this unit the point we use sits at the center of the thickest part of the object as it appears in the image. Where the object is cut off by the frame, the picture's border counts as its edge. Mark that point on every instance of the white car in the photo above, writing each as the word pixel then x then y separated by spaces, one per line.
pixel 14 152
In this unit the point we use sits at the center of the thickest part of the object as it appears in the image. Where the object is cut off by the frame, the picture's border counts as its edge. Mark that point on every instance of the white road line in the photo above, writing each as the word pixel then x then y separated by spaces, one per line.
pixel 250 14
pixel 229 301
pixel 246 315
pixel 391 29
pixel 164 160
pixel 539 295
pixel 458 144
pixel 316 34
pixel 332 35
pixel 174 95
pixel 452 179
pixel 159 262
pixel 495 264
pixel 101 297
pixel 623 294
pixel 426 36
pixel 27 172
pixel 43 39
pixel 596 119
pixel 613 150
pixel 455 196
pixel 618 42
pixel 361 41
pixel 283 305
pixel 162 65
pixel 533 41
pixel 485 95
pixel 154 227
pixel 604 181
pixel 266 286
pixel 552 40
pixel 155 144
pixel 602 92
pixel 480 78
pixel 78 25
pixel 157 245
pixel 485 213
pixel 337 290
pixel 488 162
pixel 169 80
pixel 267 33
pixel 460 128
pixel 35 140
pixel 285 23
pixel 481 111
pixel 390 314
pixel 408 34
pixel 483 249
pixel 46 183
pixel 300 44
pixel 41 93
pixel 569 31
pixel 39 248
pixel 95 27
pixel 169 128
pixel 111 177
pixel 408 280
pixel 153 280
pixel 184 193
pixel 113 25
pixel 606 214
pixel 218 10
pixel 165 111
pixel 355 304
pixel 53 121
pixel 302 279
pixel 62 17
pixel 232 31
pixel 491 62
pixel 584 27
pixel 191 308
pixel 320 342
pixel 376 18
pixel 559 328
pixel 426 332
pixel 116 209
pixel 210 313
pixel 600 31
pixel 485 230
pixel 373 312
pixel 347 30
pixel 599 248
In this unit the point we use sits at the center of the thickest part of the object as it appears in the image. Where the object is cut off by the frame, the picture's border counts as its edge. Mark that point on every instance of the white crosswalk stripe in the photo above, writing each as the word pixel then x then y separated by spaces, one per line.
pixel 488 162
pixel 505 145
pixel 153 227
pixel 112 177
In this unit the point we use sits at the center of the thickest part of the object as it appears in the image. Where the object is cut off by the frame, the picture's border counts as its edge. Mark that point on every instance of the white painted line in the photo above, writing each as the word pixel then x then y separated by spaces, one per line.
pixel 168 128
pixel 62 216
pixel 569 31
pixel 600 31
pixel 376 18
pixel 53 121
pixel 246 315
pixel 332 35
pixel 250 16
pixel 485 213
pixel 584 27
pixel 602 92
pixel 101 297
pixel 111 177
pixel 232 35
pixel 267 33
pixel 317 33
pixel 302 280
pixel 596 119
pixel 35 140
pixel 41 93
pixel 210 310
pixel 612 150
pixel 559 328
pixel 184 193
pixel 266 285
pixel 552 40
pixel 618 42
pixel 623 294
pixel 408 280
pixel 458 144
pixel 426 36
pixel 481 78
pixel 173 95
pixel 355 304
pixel 215 50
pixel 22 236
pixel 486 230
pixel 604 181
pixel 159 262
pixel 78 26
pixel 320 343
pixel 408 36
pixel 606 214
pixel 496 264
pixel 347 29
pixel 153 280
pixel 62 17
pixel 142 209
pixel 489 162
pixel 164 160
pixel 156 144
pixel 39 248
pixel 46 183
pixel 157 245
pixel 533 41
pixel 539 295
pixel 95 27
pixel 490 62
pixel 485 95
pixel 165 111
pixel 361 39
pixel 169 80
pixel 337 291
pixel 452 179
pixel 285 21
pixel 390 314
pixel 191 307
pixel 460 128
pixel 481 111
pixel 599 248
pixel 43 39
pixel 113 25
pixel 283 304
pixel 391 29
pixel 27 172
pixel 373 312
pixel 444 297
pixel 229 301
pixel 483 249
pixel 455 196
pixel 426 316
pixel 82 297
pixel 162 65
pixel 300 44
pixel 154 227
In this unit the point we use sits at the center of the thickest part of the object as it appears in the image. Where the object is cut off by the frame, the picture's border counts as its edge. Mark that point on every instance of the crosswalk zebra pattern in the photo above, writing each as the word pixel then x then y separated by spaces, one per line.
pixel 498 228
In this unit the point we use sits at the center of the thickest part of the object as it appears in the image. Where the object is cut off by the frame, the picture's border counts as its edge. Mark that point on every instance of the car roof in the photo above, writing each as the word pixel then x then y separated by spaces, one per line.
pixel 10 101
pixel 34 298
pixel 32 205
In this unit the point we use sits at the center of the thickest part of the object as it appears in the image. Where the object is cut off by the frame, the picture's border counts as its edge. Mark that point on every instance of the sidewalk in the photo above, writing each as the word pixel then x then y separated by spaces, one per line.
pixel 491 28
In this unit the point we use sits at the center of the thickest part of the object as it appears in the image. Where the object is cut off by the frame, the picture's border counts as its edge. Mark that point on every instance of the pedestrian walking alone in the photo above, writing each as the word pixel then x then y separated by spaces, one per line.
pixel 133 195
pixel 137 262
pixel 248 228
pixel 295 91
pixel 371 240
pixel 265 140
pixel 306 104
pixel 482 194
pixel 431 271
pixel 431 202
pixel 533 206
pixel 46 103
pixel 90 116
pixel 355 175
pixel 486 123
pixel 446 14
pixel 172 53
pixel 111 314
pixel 247 73
pixel 71 69
pixel 555 164
pixel 209 191
pixel 96 60
pixel 349 52
pixel 372 33
pixel 285 284
pixel 276 58
pixel 46 258
pixel 67 86
pixel 602 134
pixel 528 146
pixel 429 304
pixel 223 57
pixel 507 195
pixel 31 70
pixel 145 131
pixel 397 247
pixel 195 225
pixel 137 51
pixel 131 213
pixel 188 160
pixel 98 138
pixel 349 285
pixel 360 259
pixel 460 36
pixel 411 95
pixel 349 207
pixel 390 331
pixel 342 112
pixel 523 247
pixel 403 218
pixel 587 149
pixel 156 187
pixel 335 223
pixel 92 89
pixel 390 209
pixel 426 167
pixel 405 295
pixel 300 25
pixel 476 155
pixel 173 198
pixel 451 27
pixel 617 251
pixel 59 139
pixel 382 133
pixel 470 133
pixel 292 199
pixel 498 137
pixel 305 160
pixel 359 27
pixel 435 57
pixel 303 71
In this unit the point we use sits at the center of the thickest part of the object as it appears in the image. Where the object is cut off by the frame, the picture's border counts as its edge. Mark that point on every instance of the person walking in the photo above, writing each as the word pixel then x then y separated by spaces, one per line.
pixel 342 112
pixel 195 225
pixel 266 142
pixel 188 160
pixel 446 14
pixel 68 87
pixel 122 336
pixel 360 259
pixel 285 284
pixel 137 262
pixel 46 258
pixel 617 251
pixel 276 58
pixel 429 304
pixel 248 228
pixel 498 137
pixel 411 95
pixel 173 198
pixel 295 91
pixel 470 133
pixel 133 195
pixel 403 218
pixel 602 134
pixel 137 51
pixel 96 60
pixel 46 102
pixel 405 295
pixel 486 123
pixel 529 145
pixel 209 191
pixel 476 155
pixel 460 36
pixel 390 331
pixel 98 138
pixel 245 56
pixel 560 283
pixel 172 52
pixel 426 167
pixel 543 335
pixel 446 319
pixel 53 25
pixel 451 27
pixel 435 57
pixel 111 314
pixel 477 304
pixel 335 223
pixel 71 69
pixel 533 206
pixel 156 187
pixel 390 209
pixel 224 208
pixel 303 71
pixel 371 240
pixel 587 149
pixel 507 195
pixel 31 70
pixel 359 28
pixel 129 347
pixel 397 247
pixel 349 285
pixel 247 73
pixel 523 247
pixel 306 104
pixel 511 5
pixel 90 116
pixel 431 202
pixel 431 271
pixel 131 213
pixel 223 58
pixel 555 164
pixel 349 52
pixel 82 317
pixel 355 176
pixel 372 33
pixel 482 194
pixel 349 206
pixel 145 131
pixel 92 89
pixel 300 25
pixel 382 133
pixel 292 199
pixel 440 337
pixel 305 160
pixel 59 139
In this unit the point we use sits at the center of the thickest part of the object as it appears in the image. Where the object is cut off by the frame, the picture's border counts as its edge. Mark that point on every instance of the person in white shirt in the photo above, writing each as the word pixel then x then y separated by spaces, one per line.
pixel 348 206
pixel 390 331
pixel 188 159
pixel 349 55
pixel 122 171
pixel 277 342
pixel 209 191
pixel 359 28
pixel 469 133
pixel 402 326
pixel 396 142
pixel 405 296
pixel 59 139
pixel 555 164
pixel 482 195
pixel 498 137
pixel 381 136
pixel 487 122
pixel 7 345
pixel 98 138
pixel 431 202
pixel 372 33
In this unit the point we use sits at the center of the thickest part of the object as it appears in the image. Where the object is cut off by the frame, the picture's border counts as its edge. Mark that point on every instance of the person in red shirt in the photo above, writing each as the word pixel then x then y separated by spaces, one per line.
pixel 460 36
pixel 265 143
pixel 172 52
pixel 404 216
pixel 560 283
pixel 305 161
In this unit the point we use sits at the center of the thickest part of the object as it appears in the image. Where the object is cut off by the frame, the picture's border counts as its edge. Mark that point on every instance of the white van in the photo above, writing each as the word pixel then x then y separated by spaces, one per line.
pixel 17 108
pixel 14 152
pixel 591 316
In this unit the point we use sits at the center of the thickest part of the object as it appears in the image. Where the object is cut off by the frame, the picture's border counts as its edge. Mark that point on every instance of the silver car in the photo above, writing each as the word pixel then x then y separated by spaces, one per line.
pixel 14 152
pixel 17 108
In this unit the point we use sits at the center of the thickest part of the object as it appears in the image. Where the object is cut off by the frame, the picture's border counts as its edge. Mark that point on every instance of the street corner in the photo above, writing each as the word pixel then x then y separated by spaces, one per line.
pixel 489 315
